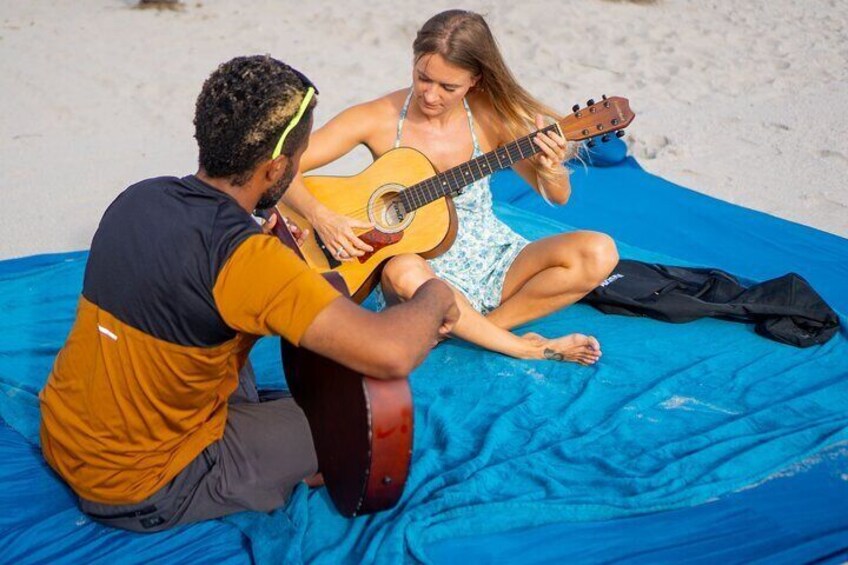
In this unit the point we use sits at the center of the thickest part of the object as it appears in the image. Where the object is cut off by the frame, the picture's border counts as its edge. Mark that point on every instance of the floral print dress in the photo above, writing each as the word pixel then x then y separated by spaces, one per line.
pixel 485 247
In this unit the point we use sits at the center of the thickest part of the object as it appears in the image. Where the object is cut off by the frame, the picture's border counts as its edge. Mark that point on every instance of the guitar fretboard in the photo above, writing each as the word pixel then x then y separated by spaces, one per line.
pixel 452 181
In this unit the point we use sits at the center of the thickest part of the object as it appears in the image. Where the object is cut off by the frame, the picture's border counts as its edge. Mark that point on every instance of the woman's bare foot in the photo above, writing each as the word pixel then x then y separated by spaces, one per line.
pixel 534 338
pixel 577 348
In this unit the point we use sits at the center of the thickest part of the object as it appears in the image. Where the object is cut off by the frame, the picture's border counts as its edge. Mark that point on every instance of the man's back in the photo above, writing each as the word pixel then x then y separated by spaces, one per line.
pixel 141 387
pixel 157 253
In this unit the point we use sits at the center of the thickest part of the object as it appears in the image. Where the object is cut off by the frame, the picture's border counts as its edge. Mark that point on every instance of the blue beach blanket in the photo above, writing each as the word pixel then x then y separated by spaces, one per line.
pixel 682 441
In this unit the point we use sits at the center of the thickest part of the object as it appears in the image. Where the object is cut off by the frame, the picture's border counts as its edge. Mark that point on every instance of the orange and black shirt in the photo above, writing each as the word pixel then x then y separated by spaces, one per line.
pixel 179 284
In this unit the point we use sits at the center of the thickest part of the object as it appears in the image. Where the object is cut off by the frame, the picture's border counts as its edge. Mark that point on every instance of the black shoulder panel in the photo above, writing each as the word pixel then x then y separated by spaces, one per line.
pixel 156 254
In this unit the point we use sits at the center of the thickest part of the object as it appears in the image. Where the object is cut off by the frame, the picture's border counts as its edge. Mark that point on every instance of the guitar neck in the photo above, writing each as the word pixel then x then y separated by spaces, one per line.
pixel 607 116
pixel 453 181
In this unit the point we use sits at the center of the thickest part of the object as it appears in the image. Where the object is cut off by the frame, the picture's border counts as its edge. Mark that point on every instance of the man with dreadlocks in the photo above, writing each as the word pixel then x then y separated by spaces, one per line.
pixel 151 412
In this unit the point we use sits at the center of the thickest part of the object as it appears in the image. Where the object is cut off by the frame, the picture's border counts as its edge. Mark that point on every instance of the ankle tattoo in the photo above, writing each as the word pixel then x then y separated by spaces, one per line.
pixel 552 355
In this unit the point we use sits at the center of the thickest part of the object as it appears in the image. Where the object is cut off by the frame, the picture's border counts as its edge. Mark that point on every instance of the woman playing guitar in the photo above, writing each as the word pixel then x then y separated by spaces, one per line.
pixel 464 101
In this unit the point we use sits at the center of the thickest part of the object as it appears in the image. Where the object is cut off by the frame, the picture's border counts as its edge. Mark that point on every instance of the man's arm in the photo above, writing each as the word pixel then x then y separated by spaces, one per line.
pixel 388 344
pixel 264 289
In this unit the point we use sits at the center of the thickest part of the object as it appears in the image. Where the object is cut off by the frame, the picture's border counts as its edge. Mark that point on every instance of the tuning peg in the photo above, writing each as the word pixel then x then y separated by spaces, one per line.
pixel 619 133
pixel 605 138
pixel 591 143
pixel 575 108
pixel 604 96
pixel 590 102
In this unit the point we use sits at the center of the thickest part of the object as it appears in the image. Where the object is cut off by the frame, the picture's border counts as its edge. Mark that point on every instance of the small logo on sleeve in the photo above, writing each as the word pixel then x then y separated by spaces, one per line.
pixel 107 333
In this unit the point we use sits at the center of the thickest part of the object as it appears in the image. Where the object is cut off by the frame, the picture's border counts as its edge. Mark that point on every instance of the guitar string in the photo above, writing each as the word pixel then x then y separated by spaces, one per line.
pixel 362 213
pixel 419 191
pixel 516 146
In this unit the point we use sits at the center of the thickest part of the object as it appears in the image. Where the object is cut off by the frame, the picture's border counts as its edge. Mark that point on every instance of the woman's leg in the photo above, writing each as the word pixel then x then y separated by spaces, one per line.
pixel 553 273
pixel 404 274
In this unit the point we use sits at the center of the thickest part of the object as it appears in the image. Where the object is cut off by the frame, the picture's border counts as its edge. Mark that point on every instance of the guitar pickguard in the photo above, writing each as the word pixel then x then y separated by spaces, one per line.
pixel 378 240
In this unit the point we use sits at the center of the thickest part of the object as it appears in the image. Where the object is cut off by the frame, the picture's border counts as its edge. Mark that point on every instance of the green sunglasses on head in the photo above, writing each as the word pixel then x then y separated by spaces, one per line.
pixel 311 91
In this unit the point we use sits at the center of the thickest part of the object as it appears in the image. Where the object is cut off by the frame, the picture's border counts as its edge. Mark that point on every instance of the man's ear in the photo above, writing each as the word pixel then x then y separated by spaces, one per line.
pixel 275 168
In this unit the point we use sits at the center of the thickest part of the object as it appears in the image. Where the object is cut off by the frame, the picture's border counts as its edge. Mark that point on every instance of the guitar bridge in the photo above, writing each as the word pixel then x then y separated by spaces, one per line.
pixel 378 240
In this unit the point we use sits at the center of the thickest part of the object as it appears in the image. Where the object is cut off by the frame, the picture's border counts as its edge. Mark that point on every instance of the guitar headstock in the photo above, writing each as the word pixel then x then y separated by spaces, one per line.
pixel 602 118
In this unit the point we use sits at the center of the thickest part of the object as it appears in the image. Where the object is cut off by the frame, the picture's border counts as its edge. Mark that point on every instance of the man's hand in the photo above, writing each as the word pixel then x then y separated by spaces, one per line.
pixel 298 234
pixel 447 302
pixel 387 344
pixel 451 318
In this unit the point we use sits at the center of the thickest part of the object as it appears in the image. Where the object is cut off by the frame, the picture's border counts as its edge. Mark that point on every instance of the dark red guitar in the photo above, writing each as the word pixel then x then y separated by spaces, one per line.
pixel 361 426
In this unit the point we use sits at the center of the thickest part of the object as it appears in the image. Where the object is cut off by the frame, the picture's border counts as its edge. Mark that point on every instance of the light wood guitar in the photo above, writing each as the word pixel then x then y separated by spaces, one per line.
pixel 409 203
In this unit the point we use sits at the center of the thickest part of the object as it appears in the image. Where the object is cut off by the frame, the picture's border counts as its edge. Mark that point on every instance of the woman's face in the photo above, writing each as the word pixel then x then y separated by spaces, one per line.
pixel 438 85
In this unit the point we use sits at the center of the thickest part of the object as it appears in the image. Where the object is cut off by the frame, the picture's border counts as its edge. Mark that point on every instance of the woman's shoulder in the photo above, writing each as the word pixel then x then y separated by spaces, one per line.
pixel 372 123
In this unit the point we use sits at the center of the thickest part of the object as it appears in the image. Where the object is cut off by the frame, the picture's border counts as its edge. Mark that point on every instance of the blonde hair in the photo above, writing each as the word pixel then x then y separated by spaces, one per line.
pixel 464 39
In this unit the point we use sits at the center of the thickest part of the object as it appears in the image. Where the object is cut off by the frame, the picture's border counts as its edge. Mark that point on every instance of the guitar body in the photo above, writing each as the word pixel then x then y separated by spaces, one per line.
pixel 428 231
pixel 361 426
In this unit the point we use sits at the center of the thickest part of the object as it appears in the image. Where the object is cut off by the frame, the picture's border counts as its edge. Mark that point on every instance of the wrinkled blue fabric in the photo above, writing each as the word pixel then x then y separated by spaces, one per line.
pixel 797 517
pixel 674 416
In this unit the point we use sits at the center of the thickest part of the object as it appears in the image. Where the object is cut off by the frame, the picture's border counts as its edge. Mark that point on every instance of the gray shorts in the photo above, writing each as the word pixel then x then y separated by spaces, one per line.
pixel 266 450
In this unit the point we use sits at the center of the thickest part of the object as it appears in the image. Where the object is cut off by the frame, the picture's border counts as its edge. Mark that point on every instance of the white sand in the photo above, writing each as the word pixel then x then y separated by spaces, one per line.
pixel 745 101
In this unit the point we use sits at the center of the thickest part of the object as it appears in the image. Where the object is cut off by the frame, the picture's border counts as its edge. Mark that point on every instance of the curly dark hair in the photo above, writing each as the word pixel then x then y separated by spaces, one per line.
pixel 242 110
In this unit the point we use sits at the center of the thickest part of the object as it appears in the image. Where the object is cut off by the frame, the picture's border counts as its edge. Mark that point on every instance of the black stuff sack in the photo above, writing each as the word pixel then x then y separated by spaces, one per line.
pixel 786 309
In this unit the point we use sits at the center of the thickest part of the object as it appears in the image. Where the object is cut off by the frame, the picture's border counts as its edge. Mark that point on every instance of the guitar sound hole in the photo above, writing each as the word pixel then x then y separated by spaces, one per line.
pixel 393 213
pixel 386 210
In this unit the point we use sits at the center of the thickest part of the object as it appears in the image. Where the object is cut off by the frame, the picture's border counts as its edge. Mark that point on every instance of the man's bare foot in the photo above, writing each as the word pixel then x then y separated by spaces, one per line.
pixel 577 348
pixel 315 481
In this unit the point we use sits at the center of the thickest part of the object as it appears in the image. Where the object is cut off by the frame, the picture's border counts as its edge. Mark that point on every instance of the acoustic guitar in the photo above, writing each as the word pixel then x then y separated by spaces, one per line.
pixel 408 203
pixel 362 426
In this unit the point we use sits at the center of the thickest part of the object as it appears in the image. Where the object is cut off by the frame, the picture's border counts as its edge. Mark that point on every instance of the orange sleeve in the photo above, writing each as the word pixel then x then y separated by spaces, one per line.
pixel 264 288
